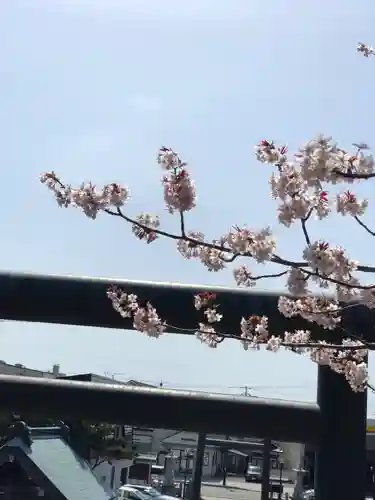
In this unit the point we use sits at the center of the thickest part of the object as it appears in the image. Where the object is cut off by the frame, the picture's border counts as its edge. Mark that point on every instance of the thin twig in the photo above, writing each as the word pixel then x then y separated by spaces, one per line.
pixel 365 227
pixel 351 175
pixel 182 224
pixel 275 275
pixel 304 228
pixel 275 258
pixel 338 282
pixel 305 233
pixel 306 345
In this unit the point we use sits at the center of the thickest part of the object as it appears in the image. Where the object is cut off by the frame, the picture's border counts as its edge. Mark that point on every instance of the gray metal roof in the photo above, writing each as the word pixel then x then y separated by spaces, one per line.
pixel 52 462
pixel 93 377
pixel 19 369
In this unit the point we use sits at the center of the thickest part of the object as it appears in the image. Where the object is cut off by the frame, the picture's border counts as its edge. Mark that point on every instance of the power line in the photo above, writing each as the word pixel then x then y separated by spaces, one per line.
pixel 179 385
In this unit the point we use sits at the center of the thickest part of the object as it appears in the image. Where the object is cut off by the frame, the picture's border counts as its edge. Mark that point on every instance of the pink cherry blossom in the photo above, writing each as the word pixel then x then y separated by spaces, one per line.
pixel 304 186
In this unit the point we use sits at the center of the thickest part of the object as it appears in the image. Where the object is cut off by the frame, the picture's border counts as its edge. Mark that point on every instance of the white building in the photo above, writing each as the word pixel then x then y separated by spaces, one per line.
pixel 153 442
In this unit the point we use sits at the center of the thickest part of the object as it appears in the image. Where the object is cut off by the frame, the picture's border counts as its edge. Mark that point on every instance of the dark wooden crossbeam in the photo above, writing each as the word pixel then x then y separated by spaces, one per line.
pixel 83 301
pixel 160 408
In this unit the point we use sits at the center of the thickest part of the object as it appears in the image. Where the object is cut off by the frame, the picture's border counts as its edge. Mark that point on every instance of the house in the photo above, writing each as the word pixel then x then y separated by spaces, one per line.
pixel 38 462
pixel 235 452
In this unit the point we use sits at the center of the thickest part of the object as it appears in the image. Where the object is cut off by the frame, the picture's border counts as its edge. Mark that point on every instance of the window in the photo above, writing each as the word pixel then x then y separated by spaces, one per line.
pixel 206 459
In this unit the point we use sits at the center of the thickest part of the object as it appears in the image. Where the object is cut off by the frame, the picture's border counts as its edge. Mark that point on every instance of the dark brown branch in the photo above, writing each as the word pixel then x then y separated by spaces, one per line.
pixel 338 282
pixel 275 275
pixel 182 224
pixel 365 227
pixel 306 345
pixel 352 175
pixel 275 258
pixel 99 461
pixel 231 259
pixel 304 230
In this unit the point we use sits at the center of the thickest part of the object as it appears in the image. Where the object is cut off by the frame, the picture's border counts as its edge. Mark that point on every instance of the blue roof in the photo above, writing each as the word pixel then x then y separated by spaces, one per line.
pixel 52 456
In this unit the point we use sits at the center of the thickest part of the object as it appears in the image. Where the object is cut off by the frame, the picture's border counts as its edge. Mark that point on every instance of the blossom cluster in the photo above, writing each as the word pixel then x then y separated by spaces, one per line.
pixel 145 318
pixel 88 197
pixel 300 184
pixel 206 331
pixel 320 310
pixel 255 333
pixel 179 188
pixel 259 245
pixel 366 50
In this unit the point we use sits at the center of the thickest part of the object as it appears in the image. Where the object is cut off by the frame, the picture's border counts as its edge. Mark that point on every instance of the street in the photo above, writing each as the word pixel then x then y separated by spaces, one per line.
pixel 236 489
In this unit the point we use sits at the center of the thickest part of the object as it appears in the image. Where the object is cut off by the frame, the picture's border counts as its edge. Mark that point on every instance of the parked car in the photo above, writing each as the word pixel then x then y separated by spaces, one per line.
pixel 308 495
pixel 130 493
pixel 158 482
pixel 253 474
pixel 151 492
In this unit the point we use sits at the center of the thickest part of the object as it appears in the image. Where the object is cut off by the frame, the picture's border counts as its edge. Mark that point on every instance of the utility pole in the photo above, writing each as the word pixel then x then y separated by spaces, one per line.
pixel 266 469
pixel 198 466
pixel 225 462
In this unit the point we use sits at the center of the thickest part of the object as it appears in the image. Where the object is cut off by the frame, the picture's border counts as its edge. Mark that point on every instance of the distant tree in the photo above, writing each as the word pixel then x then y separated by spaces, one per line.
pixel 98 442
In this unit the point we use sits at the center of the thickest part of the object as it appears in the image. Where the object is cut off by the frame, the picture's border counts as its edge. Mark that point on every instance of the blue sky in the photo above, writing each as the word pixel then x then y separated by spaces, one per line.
pixel 92 88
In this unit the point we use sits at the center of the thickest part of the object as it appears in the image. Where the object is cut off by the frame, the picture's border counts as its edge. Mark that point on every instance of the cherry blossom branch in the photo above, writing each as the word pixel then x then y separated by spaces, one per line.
pixel 337 282
pixel 298 185
pixel 302 264
pixel 304 229
pixel 348 357
pixel 128 304
pixel 51 180
pixel 303 345
pixel 147 231
pixel 365 227
pixel 182 224
pixel 354 176
pixel 275 258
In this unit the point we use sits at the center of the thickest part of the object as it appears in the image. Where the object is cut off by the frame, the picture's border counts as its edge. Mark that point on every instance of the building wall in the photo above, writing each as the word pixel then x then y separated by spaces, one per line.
pixel 109 474
pixel 211 462
pixel 293 459
pixel 179 442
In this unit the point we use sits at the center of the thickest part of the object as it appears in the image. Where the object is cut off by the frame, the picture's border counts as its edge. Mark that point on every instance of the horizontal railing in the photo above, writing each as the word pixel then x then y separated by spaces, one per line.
pixel 161 408
pixel 83 301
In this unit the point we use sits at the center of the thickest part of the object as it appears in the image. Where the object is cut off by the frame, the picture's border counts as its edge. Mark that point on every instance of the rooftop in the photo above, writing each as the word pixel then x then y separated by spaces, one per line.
pixel 20 369
pixel 53 465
